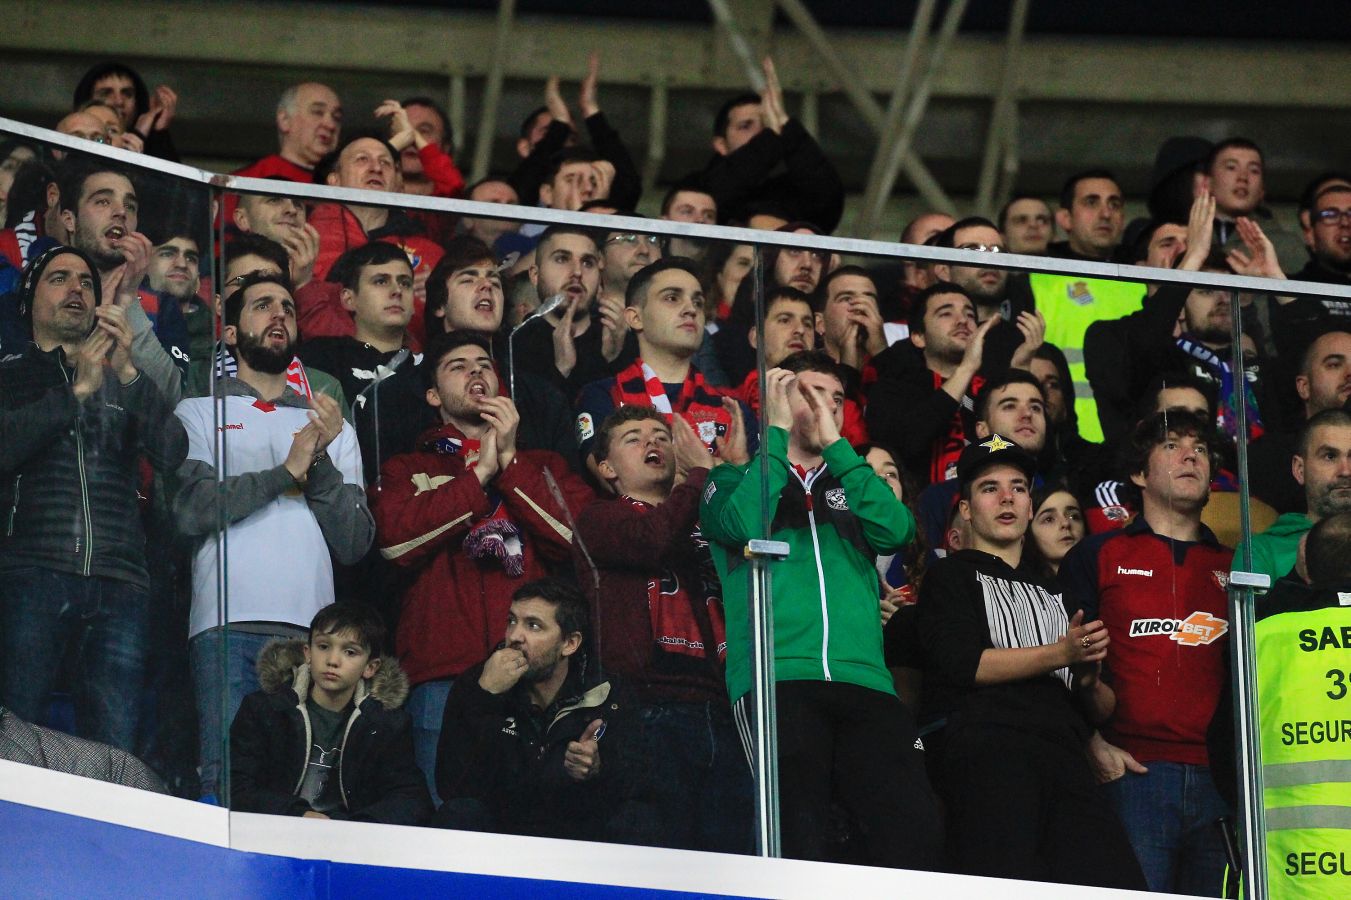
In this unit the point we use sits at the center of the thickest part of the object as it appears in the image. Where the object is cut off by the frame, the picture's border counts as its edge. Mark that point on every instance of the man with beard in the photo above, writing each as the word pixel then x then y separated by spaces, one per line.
pixel 520 741
pixel 76 415
pixel 295 504
pixel 470 515
pixel 100 209
pixel 1322 464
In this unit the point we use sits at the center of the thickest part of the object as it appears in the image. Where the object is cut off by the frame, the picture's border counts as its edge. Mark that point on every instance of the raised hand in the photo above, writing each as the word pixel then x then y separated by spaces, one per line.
pixel 582 759
pixel 136 250
pixel 89 360
pixel 823 409
pixel 975 350
pixel 112 319
pixel 326 416
pixel 586 99
pixel 565 346
pixel 613 327
pixel 690 452
pixel 772 111
pixel 402 134
pixel 502 670
pixel 1084 643
pixel 731 447
pixel 774 394
pixel 1260 260
pixel 501 415
pixel 1200 232
pixel 487 467
pixel 304 445
pixel 1033 327
pixel 553 101
pixel 163 105
pixel 302 249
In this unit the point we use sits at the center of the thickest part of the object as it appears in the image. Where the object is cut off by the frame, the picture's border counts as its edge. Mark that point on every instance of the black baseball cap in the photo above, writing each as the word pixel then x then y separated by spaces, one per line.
pixel 993 451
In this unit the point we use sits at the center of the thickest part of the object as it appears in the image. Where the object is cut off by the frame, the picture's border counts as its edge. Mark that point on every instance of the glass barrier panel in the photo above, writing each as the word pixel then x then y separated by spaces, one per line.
pixel 628 522
pixel 96 344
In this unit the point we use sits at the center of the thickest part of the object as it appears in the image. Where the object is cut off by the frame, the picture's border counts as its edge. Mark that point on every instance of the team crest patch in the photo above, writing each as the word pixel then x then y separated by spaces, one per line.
pixel 1115 513
pixel 708 431
pixel 996 443
pixel 709 490
pixel 835 499
pixel 586 427
pixel 1079 293
pixel 1221 578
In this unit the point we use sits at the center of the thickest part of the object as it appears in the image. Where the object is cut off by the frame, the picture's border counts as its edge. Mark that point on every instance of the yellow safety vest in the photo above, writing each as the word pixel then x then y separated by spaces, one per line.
pixel 1070 304
pixel 1304 705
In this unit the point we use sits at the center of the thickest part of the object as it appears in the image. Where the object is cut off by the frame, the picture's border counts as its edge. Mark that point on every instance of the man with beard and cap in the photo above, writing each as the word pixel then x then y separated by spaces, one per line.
pixel 77 413
pixel 520 749
pixel 295 504
pixel 470 515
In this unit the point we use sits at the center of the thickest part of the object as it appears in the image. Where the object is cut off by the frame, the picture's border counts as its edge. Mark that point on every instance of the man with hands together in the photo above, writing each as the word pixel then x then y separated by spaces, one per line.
pixel 519 751
pixel 75 417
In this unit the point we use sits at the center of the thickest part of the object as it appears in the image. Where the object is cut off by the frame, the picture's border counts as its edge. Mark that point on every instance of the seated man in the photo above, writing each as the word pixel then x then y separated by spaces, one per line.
pixel 469 515
pixel 665 308
pixel 520 741
pixel 314 693
pixel 295 503
pixel 658 603
pixel 1012 681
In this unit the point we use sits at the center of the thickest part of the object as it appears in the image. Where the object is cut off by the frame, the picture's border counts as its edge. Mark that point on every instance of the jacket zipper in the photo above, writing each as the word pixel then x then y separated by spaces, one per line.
pixel 14 510
pixel 821 583
pixel 342 755
pixel 84 489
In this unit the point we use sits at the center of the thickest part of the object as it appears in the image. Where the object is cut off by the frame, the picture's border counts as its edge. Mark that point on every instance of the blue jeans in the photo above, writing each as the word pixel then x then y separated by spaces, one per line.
pixel 692 786
pixel 427 706
pixel 1170 816
pixel 224 672
pixel 42 613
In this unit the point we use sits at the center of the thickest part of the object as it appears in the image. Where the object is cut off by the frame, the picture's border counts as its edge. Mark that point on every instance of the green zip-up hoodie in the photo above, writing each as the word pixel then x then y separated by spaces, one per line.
pixel 825 594
pixel 1275 550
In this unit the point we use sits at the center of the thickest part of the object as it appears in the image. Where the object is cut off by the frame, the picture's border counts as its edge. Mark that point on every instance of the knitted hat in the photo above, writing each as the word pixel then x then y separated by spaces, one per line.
pixel 38 264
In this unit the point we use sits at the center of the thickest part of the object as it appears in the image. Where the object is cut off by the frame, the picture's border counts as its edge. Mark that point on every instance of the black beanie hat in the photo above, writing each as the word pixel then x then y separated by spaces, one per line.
pixel 33 271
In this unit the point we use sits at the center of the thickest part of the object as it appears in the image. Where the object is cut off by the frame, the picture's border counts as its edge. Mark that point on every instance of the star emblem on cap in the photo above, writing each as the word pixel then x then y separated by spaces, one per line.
pixel 996 443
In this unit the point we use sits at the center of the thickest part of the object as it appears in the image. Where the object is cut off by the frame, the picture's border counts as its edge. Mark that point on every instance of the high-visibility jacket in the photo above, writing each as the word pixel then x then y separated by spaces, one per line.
pixel 1303 647
pixel 1070 304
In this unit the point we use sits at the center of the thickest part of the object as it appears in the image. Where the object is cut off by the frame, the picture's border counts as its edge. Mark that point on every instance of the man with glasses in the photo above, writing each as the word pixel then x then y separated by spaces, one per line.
pixel 1330 222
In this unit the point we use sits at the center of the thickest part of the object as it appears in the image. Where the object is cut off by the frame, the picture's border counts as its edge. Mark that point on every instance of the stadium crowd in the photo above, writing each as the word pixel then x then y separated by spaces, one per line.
pixel 485 487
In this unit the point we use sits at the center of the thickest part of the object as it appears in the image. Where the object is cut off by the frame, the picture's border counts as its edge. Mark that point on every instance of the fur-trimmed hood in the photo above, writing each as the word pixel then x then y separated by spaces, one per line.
pixel 281 664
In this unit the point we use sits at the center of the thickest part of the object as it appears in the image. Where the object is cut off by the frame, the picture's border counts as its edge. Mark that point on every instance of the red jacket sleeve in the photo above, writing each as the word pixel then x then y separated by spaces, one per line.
pixel 441 171
pixel 417 513
pixel 532 505
pixel 319 312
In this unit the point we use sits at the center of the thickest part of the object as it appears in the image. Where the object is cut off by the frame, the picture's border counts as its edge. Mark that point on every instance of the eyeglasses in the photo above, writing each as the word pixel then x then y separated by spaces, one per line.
pixel 1332 216
pixel 982 248
pixel 651 240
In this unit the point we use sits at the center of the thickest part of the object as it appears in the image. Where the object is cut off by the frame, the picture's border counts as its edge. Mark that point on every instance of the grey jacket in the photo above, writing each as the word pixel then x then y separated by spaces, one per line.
pixel 35 746
pixel 339 508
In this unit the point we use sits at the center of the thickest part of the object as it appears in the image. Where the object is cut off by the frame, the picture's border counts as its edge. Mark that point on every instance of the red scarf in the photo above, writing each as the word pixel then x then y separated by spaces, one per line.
pixel 699 403
pixel 947 447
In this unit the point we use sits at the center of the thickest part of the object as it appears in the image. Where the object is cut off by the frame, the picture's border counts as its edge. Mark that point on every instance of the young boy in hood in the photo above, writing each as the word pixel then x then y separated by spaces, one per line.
pixel 326 736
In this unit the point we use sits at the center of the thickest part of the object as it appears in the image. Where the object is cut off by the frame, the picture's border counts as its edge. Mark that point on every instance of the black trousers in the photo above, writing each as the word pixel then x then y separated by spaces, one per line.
pixel 856 748
pixel 1024 806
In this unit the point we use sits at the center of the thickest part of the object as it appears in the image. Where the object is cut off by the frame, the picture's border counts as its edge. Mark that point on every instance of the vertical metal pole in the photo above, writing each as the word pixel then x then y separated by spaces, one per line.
pixel 656 136
pixel 894 154
pixel 740 47
pixel 761 613
pixel 1000 112
pixel 1247 732
pixel 455 109
pixel 863 101
pixel 492 91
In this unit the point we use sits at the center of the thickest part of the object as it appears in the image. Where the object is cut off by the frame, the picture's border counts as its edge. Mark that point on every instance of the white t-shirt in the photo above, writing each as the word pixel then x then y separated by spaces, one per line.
pixel 276 561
